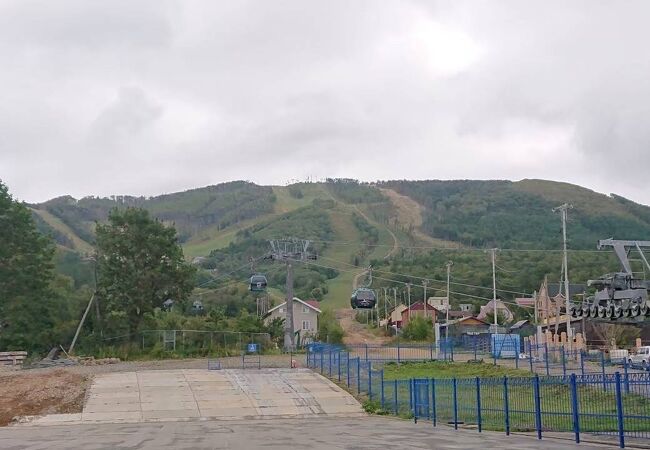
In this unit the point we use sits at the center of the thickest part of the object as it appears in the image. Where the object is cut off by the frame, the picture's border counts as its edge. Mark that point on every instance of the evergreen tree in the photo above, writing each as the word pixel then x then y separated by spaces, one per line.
pixel 27 304
pixel 140 266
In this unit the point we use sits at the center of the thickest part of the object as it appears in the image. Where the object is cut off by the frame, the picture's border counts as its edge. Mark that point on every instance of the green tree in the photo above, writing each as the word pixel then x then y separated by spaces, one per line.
pixel 329 329
pixel 140 265
pixel 27 303
pixel 418 329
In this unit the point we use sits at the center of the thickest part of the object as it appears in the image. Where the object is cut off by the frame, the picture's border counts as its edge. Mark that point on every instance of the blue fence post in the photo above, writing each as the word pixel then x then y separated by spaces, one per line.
pixel 627 378
pixel 366 352
pixel 395 402
pixel 338 360
pixel 582 362
pixel 329 370
pixel 358 375
pixel 433 402
pixel 506 406
pixel 538 406
pixel 383 399
pixel 562 355
pixel 478 404
pixel 619 411
pixel 602 369
pixel 321 360
pixel 348 367
pixel 415 400
pixel 369 381
pixel 546 358
pixel 455 393
pixel 574 407
pixel 411 394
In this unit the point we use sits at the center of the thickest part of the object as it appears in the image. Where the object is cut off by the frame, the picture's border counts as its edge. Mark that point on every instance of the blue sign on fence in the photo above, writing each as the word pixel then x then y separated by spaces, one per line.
pixel 252 348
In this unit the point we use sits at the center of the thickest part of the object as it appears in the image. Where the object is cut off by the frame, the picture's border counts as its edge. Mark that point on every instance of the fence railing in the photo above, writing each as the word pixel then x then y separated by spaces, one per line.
pixel 190 341
pixel 616 405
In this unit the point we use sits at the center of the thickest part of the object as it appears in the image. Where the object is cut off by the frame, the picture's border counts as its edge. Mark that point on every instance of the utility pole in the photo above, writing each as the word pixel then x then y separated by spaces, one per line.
pixel 386 308
pixel 288 322
pixel 287 251
pixel 564 211
pixel 494 289
pixel 424 285
pixel 408 297
pixel 449 264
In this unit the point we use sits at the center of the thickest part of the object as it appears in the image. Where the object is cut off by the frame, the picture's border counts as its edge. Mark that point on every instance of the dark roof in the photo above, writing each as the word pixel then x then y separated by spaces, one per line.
pixel 574 289
pixel 518 325
pixel 456 314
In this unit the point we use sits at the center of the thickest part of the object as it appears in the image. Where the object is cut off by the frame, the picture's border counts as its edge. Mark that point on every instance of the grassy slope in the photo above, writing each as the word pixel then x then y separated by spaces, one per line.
pixel 339 288
pixel 79 244
pixel 214 238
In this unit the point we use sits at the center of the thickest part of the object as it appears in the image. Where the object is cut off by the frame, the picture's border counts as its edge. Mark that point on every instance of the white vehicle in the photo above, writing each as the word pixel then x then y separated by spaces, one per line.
pixel 642 356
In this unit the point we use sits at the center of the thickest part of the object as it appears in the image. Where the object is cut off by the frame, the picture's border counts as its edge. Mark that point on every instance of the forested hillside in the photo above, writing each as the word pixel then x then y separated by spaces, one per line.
pixel 519 214
pixel 401 228
pixel 190 211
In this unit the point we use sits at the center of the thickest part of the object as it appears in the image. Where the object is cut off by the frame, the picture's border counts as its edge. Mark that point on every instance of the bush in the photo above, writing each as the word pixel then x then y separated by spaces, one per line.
pixel 418 329
pixel 329 329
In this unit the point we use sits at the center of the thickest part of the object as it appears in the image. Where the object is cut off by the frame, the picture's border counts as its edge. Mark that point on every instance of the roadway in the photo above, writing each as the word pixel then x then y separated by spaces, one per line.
pixel 323 433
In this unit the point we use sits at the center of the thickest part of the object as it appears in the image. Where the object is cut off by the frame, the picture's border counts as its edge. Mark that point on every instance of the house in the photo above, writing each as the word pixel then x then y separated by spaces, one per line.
pixel 523 328
pixel 440 303
pixel 395 318
pixel 501 308
pixel 419 309
pixel 465 307
pixel 305 315
pixel 525 302
pixel 550 301
pixel 469 332
pixel 459 314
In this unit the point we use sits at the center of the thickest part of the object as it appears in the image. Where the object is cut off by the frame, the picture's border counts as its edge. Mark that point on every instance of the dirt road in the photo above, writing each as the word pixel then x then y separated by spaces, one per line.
pixel 355 332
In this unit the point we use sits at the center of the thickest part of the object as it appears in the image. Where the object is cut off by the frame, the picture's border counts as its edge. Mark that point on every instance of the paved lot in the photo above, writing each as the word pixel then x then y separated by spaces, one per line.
pixel 317 433
pixel 159 395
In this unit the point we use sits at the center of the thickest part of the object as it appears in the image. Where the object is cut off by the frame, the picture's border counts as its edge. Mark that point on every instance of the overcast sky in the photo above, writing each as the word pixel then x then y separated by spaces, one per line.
pixel 137 97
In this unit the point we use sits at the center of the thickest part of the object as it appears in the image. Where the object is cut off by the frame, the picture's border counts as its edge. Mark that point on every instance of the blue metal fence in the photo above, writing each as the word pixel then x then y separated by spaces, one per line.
pixel 615 404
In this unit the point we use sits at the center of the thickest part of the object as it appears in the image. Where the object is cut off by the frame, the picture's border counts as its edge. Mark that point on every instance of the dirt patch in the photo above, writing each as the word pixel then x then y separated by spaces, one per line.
pixel 355 332
pixel 52 392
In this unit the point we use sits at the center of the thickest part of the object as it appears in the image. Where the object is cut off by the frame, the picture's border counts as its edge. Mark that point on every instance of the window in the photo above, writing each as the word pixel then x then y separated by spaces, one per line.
pixel 305 309
pixel 306 325
pixel 281 310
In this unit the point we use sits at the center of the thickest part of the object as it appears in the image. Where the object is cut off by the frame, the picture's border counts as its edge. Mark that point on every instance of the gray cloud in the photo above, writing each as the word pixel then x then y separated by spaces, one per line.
pixel 146 97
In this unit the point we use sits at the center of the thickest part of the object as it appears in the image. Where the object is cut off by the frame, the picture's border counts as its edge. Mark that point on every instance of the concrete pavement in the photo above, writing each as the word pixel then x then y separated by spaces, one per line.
pixel 191 394
pixel 315 433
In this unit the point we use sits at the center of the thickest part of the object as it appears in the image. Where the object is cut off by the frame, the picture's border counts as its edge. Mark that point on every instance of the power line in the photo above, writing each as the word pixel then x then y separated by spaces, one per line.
pixel 230 273
pixel 458 248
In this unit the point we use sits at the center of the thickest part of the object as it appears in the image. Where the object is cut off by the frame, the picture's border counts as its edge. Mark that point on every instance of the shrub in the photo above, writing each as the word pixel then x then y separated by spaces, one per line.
pixel 418 329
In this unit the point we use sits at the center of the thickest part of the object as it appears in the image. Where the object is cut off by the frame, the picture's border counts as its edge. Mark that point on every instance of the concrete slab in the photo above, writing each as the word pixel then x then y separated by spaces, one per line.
pixel 191 394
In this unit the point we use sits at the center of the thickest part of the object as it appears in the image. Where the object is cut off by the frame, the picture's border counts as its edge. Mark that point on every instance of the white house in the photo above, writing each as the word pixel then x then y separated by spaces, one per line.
pixel 305 315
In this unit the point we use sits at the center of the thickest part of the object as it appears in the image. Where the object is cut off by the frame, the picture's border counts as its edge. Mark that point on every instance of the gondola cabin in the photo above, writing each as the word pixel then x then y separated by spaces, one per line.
pixel 363 298
pixel 258 283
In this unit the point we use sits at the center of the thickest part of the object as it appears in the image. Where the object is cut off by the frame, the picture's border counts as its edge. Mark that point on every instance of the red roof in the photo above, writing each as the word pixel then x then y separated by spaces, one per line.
pixel 419 306
pixel 313 302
